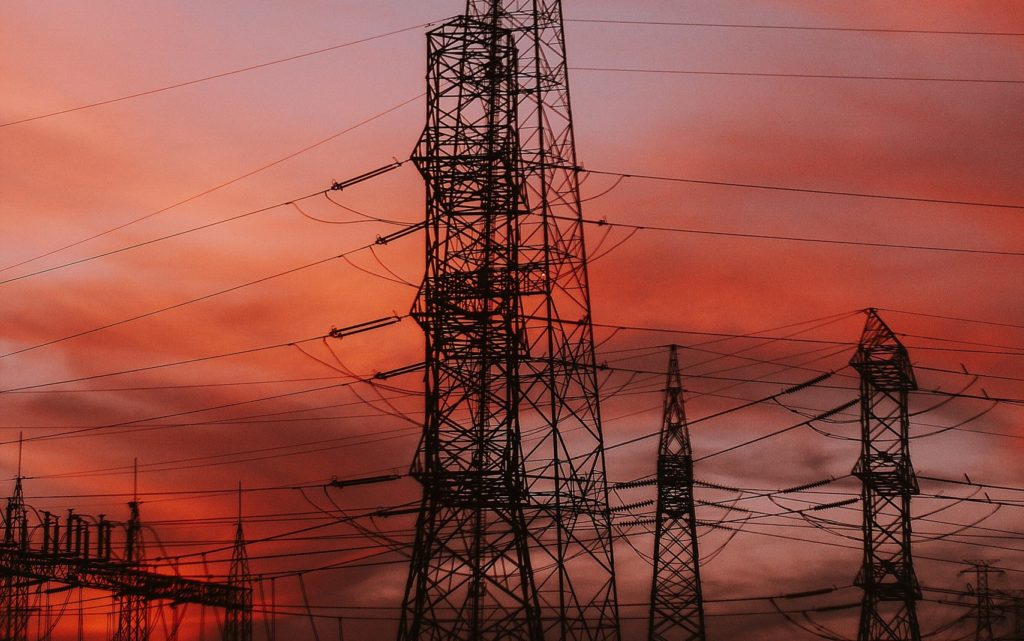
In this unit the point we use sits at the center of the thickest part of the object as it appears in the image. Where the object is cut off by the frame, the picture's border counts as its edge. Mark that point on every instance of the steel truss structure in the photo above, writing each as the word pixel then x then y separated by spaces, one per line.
pixel 80 553
pixel 891 590
pixel 677 604
pixel 514 535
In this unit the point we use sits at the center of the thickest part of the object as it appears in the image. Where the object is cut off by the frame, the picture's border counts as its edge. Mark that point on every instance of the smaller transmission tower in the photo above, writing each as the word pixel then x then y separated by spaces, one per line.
pixel 14 589
pixel 132 607
pixel 891 590
pixel 984 610
pixel 238 619
pixel 1012 607
pixel 677 607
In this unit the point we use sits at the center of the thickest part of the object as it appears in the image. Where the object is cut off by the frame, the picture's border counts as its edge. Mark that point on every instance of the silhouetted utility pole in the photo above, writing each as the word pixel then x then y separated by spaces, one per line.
pixel 891 590
pixel 677 606
pixel 514 536
pixel 984 610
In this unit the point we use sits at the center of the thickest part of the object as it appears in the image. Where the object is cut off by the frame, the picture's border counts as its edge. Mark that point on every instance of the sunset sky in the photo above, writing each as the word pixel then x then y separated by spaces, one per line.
pixel 76 186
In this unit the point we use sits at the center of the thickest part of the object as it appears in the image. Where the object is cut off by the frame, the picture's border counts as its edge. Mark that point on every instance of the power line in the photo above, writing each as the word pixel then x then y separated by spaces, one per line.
pixel 721 25
pixel 813 76
pixel 805 190
pixel 800 239
pixel 337 186
pixel 187 361
pixel 223 74
pixel 210 190
pixel 380 240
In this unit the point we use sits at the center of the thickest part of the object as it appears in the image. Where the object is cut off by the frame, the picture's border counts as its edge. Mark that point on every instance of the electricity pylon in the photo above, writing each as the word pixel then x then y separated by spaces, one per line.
pixel 471 577
pixel 569 518
pixel 238 619
pixel 891 590
pixel 677 605
pixel 132 607
pixel 14 589
pixel 514 534
pixel 984 611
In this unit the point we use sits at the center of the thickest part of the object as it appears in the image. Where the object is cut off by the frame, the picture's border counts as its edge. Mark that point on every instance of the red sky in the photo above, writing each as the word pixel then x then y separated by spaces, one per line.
pixel 68 177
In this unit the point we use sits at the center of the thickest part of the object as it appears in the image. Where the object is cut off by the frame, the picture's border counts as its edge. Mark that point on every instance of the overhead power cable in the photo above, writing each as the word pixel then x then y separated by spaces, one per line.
pixel 215 76
pixel 381 240
pixel 789 390
pixel 811 76
pixel 806 190
pixel 604 222
pixel 336 186
pixel 724 25
pixel 218 186
pixel 383 321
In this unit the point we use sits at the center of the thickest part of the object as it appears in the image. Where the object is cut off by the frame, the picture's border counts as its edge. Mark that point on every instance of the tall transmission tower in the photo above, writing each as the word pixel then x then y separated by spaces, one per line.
pixel 891 590
pixel 677 605
pixel 514 538
pixel 565 460
pixel 984 610
pixel 470 577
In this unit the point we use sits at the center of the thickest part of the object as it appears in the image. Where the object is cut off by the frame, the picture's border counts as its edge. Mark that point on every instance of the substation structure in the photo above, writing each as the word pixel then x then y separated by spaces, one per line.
pixel 40 553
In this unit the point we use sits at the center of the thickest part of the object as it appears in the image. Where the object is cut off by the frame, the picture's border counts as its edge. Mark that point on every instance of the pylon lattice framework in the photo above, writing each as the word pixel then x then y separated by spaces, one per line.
pixel 891 590
pixel 677 606
pixel 514 536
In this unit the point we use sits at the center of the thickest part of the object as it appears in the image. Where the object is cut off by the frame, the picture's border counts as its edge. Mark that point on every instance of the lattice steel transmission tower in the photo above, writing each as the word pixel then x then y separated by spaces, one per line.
pixel 14 589
pixel 984 611
pixel 514 538
pixel 238 618
pixel 677 604
pixel 891 590
pixel 132 607
pixel 470 576
pixel 565 460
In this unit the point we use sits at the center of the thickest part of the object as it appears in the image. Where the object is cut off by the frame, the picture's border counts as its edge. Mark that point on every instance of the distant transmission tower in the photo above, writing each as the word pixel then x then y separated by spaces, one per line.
pixel 514 535
pixel 984 611
pixel 677 605
pixel 238 619
pixel 891 590
pixel 132 607
pixel 14 589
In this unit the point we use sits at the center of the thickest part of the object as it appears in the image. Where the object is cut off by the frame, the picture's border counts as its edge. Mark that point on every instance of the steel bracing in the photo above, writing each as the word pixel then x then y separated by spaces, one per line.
pixel 14 585
pixel 514 533
pixel 891 590
pixel 985 612
pixel 238 617
pixel 80 553
pixel 677 605
pixel 470 576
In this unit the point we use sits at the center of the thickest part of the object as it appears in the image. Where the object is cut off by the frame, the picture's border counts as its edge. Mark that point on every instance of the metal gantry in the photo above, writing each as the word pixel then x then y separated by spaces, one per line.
pixel 677 605
pixel 39 550
pixel 514 533
pixel 891 590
